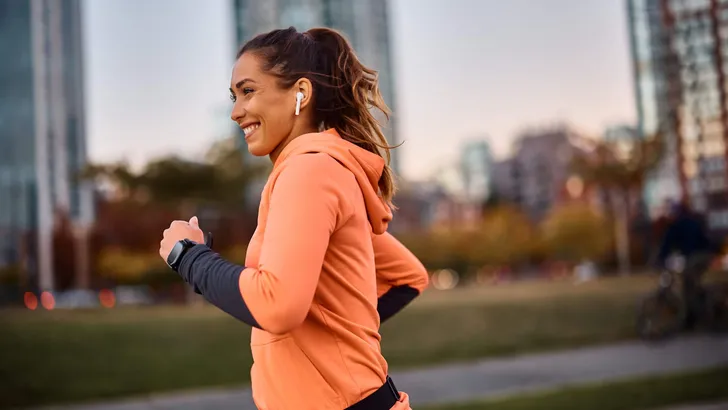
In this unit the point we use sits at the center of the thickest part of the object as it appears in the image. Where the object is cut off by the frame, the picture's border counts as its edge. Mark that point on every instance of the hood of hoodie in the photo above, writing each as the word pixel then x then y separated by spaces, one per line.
pixel 366 166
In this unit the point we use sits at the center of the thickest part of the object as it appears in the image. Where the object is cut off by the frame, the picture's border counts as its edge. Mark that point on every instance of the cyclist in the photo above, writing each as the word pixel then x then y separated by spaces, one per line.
pixel 687 234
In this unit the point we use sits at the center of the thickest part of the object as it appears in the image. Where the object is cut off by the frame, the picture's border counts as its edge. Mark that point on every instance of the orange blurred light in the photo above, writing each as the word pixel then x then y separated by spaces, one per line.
pixel 575 186
pixel 31 301
pixel 444 279
pixel 107 298
pixel 47 300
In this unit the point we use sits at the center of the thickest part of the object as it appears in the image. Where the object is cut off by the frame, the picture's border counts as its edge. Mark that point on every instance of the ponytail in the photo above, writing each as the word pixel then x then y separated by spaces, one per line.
pixel 354 90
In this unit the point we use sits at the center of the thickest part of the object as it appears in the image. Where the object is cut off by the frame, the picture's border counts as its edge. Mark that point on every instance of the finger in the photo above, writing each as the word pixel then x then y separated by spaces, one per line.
pixel 194 222
pixel 177 223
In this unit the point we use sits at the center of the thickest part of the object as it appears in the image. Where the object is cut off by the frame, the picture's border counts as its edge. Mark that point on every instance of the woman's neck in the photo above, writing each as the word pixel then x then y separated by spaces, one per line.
pixel 295 133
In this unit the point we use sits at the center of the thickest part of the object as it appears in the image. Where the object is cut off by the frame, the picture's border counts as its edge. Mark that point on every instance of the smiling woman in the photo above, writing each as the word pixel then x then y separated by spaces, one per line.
pixel 321 273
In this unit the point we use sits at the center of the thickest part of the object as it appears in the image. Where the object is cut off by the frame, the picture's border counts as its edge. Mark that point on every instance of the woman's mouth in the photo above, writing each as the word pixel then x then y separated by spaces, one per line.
pixel 250 129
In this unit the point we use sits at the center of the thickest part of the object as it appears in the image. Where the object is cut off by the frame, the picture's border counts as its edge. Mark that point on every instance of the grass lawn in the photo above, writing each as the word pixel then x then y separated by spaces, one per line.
pixel 64 356
pixel 636 394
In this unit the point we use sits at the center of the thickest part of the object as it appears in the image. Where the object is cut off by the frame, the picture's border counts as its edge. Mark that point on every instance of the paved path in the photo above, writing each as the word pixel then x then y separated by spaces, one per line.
pixel 490 378
pixel 713 406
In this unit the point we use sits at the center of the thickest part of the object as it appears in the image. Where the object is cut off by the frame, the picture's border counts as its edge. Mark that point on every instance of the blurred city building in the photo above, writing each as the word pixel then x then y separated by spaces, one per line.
pixel 679 52
pixel 365 24
pixel 476 169
pixel 415 202
pixel 429 205
pixel 535 177
pixel 451 205
pixel 621 133
pixel 42 132
pixel 459 190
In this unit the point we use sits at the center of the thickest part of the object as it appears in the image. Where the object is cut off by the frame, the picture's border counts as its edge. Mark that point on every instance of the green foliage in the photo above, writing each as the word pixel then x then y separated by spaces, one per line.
pixel 575 232
pixel 436 250
pixel 620 168
pixel 505 237
pixel 125 266
pixel 129 267
pixel 173 181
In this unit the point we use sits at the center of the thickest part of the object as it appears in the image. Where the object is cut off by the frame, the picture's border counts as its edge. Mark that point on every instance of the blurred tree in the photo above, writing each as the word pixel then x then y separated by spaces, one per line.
pixel 221 180
pixel 131 225
pixel 620 168
pixel 436 250
pixel 575 232
pixel 235 254
pixel 504 237
pixel 124 266
pixel 183 186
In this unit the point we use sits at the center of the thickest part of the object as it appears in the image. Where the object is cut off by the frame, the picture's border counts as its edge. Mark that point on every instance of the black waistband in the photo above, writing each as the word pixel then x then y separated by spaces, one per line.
pixel 383 399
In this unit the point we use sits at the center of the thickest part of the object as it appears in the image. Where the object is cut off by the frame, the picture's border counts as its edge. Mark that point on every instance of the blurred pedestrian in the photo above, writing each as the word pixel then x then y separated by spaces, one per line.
pixel 658 229
pixel 321 272
pixel 687 233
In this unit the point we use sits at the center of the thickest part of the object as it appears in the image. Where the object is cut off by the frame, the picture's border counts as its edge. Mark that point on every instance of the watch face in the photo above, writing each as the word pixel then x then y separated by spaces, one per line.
pixel 174 254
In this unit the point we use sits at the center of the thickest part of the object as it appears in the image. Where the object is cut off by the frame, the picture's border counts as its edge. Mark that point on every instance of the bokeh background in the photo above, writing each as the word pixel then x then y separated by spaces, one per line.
pixel 544 143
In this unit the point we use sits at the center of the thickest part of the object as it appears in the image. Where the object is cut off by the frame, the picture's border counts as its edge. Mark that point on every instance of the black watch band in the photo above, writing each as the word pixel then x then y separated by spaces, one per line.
pixel 178 251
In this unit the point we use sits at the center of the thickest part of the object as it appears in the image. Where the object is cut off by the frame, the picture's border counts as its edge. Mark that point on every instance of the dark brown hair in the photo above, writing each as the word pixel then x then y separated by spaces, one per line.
pixel 344 89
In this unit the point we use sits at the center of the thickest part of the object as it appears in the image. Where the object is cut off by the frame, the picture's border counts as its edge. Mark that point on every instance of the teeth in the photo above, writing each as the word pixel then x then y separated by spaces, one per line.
pixel 250 128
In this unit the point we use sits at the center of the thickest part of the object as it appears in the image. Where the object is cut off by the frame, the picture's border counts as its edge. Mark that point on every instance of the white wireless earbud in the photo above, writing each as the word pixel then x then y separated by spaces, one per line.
pixel 299 97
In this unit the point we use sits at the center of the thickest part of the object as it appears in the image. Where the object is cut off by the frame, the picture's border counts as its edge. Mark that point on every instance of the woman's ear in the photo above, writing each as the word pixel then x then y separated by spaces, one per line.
pixel 304 87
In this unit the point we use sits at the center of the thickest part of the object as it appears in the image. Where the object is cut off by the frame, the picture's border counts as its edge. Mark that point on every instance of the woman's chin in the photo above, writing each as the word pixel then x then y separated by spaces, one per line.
pixel 257 151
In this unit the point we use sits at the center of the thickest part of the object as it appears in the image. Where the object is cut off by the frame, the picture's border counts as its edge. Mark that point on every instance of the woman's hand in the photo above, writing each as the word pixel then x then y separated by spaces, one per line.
pixel 177 231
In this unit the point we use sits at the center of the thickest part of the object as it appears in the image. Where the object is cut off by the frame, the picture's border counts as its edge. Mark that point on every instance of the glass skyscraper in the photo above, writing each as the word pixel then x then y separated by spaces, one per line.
pixel 476 165
pixel 679 51
pixel 365 24
pixel 42 131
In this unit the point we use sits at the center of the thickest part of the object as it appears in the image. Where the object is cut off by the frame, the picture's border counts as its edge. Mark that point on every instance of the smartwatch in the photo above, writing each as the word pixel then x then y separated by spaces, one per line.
pixel 178 251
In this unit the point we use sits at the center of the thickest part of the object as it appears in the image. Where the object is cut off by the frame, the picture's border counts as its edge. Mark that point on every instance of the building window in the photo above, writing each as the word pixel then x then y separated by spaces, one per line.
pixel 716 183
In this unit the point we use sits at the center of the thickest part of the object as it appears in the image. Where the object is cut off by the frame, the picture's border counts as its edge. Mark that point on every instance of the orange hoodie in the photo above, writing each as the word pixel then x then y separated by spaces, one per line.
pixel 318 261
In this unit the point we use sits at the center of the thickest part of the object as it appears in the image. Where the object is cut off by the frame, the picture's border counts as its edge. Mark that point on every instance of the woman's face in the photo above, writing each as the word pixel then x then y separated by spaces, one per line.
pixel 264 111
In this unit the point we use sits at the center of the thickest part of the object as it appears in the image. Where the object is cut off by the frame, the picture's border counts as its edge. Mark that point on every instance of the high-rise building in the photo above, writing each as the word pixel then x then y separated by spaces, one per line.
pixel 42 131
pixel 476 169
pixel 535 177
pixel 679 50
pixel 365 24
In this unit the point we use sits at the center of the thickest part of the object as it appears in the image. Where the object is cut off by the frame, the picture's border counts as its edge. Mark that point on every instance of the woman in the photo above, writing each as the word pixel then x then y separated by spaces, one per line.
pixel 321 272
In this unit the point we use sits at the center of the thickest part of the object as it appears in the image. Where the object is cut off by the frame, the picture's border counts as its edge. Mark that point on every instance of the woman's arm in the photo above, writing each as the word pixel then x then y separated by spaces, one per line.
pixel 400 275
pixel 305 206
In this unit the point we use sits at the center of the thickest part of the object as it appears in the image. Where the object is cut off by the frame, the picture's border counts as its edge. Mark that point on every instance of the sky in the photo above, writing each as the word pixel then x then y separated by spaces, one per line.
pixel 158 73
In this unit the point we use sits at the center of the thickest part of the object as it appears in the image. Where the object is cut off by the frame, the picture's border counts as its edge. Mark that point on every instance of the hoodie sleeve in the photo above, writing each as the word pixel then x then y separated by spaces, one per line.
pixel 401 277
pixel 305 206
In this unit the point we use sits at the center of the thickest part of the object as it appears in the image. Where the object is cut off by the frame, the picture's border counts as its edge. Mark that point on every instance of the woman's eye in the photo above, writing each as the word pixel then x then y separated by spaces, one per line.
pixel 233 98
pixel 247 91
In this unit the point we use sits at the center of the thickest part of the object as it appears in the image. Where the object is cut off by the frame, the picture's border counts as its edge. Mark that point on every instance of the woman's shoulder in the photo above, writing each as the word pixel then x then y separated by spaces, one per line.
pixel 314 171
pixel 313 164
pixel 315 175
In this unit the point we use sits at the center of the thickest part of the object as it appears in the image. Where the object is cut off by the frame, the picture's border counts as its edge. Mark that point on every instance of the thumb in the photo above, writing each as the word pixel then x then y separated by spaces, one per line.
pixel 194 222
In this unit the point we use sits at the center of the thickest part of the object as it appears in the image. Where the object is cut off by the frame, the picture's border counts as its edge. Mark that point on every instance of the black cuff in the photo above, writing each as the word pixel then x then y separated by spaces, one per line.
pixel 217 280
pixel 395 300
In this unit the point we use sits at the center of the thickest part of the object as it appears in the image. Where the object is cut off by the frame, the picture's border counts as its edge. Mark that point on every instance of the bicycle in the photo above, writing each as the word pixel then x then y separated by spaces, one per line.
pixel 661 314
